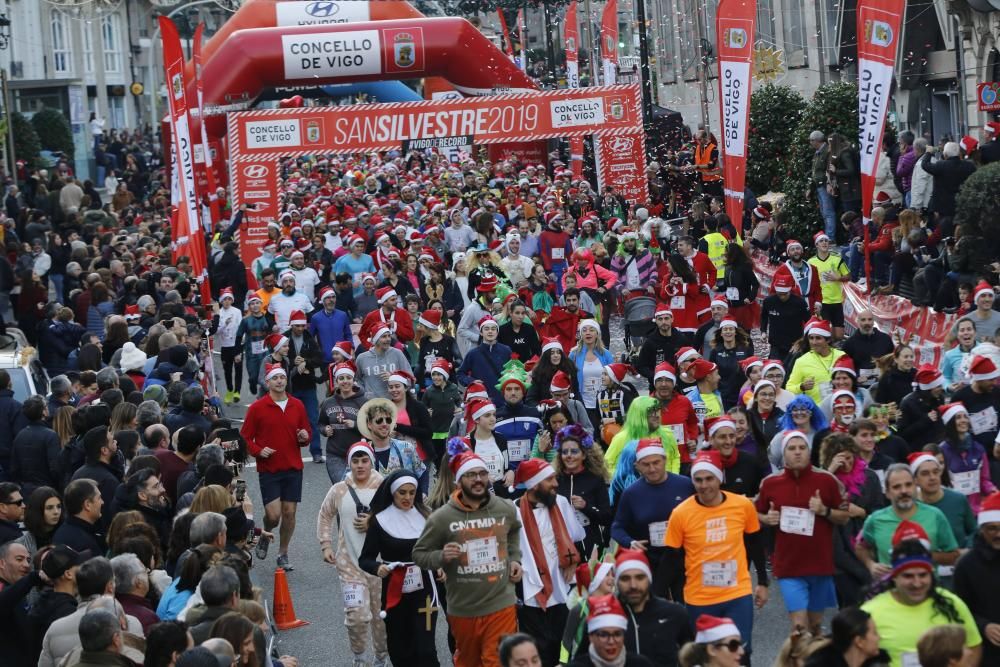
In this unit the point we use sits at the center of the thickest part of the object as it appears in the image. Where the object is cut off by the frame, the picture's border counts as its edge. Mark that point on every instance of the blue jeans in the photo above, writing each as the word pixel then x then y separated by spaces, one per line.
pixel 57 285
pixel 740 610
pixel 855 261
pixel 828 209
pixel 311 404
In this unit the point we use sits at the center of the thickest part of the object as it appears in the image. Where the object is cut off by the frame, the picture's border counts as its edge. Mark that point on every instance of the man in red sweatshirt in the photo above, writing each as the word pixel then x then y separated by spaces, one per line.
pixel 276 427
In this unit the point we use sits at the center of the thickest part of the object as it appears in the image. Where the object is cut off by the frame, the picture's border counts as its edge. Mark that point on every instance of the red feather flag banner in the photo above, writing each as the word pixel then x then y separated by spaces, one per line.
pixel 878 41
pixel 186 233
pixel 609 42
pixel 508 47
pixel 734 26
pixel 572 37
pixel 202 152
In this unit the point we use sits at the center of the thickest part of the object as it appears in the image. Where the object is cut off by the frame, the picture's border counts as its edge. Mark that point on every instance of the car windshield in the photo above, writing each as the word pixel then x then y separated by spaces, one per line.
pixel 19 383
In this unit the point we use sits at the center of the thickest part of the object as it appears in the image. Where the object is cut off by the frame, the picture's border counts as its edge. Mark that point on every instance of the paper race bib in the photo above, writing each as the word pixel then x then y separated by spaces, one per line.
pixel 658 534
pixel 966 483
pixel 983 421
pixel 719 574
pixel 354 595
pixel 582 518
pixel 518 450
pixel 256 347
pixel 825 389
pixel 592 385
pixel 558 253
pixel 482 551
pixel 679 436
pixel 677 303
pixel 494 464
pixel 909 659
pixel 867 375
pixel 797 521
pixel 413 580
pixel 733 293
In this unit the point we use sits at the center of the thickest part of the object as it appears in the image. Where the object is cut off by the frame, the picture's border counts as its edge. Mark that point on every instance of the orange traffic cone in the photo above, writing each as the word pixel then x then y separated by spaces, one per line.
pixel 284 610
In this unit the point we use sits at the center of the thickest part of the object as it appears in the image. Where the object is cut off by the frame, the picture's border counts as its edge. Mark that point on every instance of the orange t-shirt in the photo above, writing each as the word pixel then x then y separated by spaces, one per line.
pixel 715 560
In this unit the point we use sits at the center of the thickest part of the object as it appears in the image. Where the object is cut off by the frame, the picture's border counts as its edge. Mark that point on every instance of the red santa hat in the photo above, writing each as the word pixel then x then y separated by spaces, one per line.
pixel 551 343
pixel 631 559
pixel 845 364
pixel 783 282
pixel 662 309
pixel 773 363
pixel 361 447
pixel 560 382
pixel 254 298
pixel 486 321
pixel 226 293
pixel 982 368
pixel 711 629
pixel 665 370
pixel 818 327
pixel 529 473
pixel 403 377
pixel 882 197
pixel 461 458
pixel 344 368
pixel 750 362
pixel 917 459
pixel 384 294
pixel 442 367
pixel 910 530
pixel 728 323
pixel 686 353
pixel 345 348
pixel 487 284
pixel 989 512
pixel 969 144
pixel 327 292
pixel 297 317
pixel 605 612
pixel 273 370
pixel 365 277
pixel 928 377
pixel 649 447
pixel 720 301
pixel 617 372
pixel 382 330
pixel 476 389
pixel 478 408
pixel 949 411
pixel 132 312
pixel 788 436
pixel 761 213
pixel 820 236
pixel 430 319
pixel 992 127
pixel 701 368
pixel 792 243
pixel 276 341
pixel 713 425
pixel 982 288
pixel 709 460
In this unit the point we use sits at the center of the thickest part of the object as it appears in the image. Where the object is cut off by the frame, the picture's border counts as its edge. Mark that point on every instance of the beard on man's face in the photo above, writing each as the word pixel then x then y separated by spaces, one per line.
pixel 547 498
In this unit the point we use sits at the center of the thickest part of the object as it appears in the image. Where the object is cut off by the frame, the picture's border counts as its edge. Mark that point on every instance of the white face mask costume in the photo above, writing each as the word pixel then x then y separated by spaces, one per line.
pixel 847 420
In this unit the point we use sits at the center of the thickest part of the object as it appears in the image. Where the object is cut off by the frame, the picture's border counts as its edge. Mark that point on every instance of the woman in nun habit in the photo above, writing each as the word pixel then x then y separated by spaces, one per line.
pixel 409 594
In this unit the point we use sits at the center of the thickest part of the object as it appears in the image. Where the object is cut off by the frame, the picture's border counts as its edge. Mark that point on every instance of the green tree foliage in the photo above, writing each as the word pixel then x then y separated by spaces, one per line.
pixel 833 108
pixel 978 201
pixel 53 131
pixel 775 113
pixel 27 146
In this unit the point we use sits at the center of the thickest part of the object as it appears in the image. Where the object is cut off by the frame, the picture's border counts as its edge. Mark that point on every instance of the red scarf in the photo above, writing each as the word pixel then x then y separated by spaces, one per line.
pixel 730 461
pixel 569 558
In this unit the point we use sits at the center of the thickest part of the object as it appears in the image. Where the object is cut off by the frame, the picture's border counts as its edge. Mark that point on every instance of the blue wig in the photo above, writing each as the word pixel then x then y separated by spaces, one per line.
pixel 624 474
pixel 818 420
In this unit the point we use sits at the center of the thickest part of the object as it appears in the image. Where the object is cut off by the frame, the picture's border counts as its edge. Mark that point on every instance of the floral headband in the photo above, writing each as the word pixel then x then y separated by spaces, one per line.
pixel 574 432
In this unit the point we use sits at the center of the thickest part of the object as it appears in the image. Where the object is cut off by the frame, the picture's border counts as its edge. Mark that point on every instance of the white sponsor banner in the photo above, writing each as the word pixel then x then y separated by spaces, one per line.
pixel 577 112
pixel 874 81
pixel 256 194
pixel 735 103
pixel 273 133
pixel 572 74
pixel 321 13
pixel 332 54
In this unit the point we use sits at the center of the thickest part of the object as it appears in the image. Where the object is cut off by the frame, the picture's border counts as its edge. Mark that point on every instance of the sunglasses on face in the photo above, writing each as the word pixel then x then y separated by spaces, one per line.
pixel 381 421
pixel 18 502
pixel 733 645
pixel 802 411
pixel 570 451
pixel 609 634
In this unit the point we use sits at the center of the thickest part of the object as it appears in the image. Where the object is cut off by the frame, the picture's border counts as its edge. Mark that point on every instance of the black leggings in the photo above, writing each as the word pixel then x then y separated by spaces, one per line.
pixel 228 364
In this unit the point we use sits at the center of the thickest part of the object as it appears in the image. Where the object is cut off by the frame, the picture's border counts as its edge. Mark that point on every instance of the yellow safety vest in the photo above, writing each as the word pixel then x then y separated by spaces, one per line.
pixel 716 245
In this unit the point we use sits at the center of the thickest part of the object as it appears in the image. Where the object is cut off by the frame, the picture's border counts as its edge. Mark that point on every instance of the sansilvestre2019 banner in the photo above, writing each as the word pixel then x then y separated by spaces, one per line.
pixel 735 36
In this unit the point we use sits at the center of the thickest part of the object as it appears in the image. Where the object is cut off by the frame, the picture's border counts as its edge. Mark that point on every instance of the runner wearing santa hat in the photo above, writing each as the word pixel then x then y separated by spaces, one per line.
pixel 289 300
pixel 549 531
pixel 803 274
pixel 833 273
pixel 330 325
pixel 783 314
pixel 389 315
pixel 812 372
pixel 709 539
pixel 485 361
pixel 475 539
pixel 985 318
pixel 305 372
pixel 964 458
pixel 661 345
pixel 250 336
pixel 981 399
pixel 606 632
pixel 706 332
pixel 275 427
pixel 225 325
pixel 434 345
pixel 927 472
pixel 717 644
pixel 346 509
pixel 977 577
pixel 379 361
pixel 338 418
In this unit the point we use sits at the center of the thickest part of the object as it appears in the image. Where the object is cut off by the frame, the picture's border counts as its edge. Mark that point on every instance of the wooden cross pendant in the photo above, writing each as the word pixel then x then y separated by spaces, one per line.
pixel 427 610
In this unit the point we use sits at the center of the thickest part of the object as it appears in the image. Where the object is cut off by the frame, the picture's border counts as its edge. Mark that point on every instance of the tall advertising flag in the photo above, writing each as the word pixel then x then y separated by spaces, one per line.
pixel 508 48
pixel 878 41
pixel 522 38
pixel 572 36
pixel 202 152
pixel 734 26
pixel 187 236
pixel 609 42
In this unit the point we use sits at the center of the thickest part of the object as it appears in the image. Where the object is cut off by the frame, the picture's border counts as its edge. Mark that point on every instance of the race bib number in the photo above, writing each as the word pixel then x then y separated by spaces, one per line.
pixel 733 293
pixel 719 573
pixel 678 430
pixel 966 483
pixel 558 253
pixel 677 303
pixel 354 595
pixel 825 388
pixel 867 375
pixel 257 347
pixel 482 551
pixel 658 534
pixel 591 386
pixel 413 580
pixel 797 521
pixel 909 659
pixel 984 421
pixel 517 450
pixel 582 518
pixel 494 465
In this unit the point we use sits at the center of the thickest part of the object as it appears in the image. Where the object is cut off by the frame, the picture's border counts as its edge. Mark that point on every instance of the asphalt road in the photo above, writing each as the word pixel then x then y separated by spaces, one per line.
pixel 317 597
